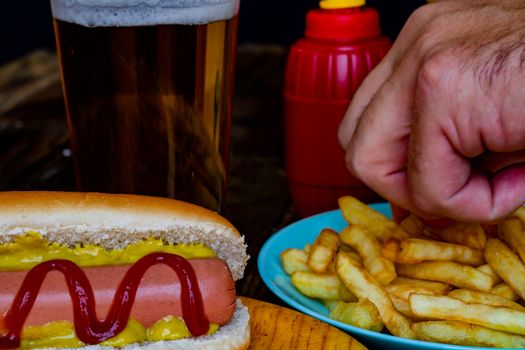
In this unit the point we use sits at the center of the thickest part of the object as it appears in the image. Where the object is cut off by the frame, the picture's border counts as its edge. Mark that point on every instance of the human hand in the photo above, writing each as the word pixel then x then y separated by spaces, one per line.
pixel 438 127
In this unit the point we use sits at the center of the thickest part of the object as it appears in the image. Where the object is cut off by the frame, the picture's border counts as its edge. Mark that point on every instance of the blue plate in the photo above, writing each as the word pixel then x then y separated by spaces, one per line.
pixel 303 232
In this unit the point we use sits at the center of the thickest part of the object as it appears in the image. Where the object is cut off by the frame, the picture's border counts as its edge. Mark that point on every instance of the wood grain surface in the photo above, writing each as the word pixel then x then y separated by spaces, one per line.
pixel 275 327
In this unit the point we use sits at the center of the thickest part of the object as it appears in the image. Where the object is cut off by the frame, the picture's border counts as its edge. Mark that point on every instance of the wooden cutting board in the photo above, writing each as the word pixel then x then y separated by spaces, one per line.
pixel 275 327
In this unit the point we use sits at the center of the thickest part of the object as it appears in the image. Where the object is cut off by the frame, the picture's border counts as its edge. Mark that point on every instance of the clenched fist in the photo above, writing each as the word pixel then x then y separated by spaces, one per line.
pixel 438 128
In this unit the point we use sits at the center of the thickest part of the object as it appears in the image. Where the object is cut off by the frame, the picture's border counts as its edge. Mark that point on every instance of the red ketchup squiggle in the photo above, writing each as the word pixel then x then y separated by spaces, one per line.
pixel 87 326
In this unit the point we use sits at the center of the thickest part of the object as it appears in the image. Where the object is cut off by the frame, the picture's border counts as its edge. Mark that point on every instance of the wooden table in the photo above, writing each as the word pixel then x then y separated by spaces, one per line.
pixel 34 155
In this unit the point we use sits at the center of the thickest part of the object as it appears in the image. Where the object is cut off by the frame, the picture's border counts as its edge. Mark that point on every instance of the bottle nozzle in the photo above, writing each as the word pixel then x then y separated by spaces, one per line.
pixel 341 4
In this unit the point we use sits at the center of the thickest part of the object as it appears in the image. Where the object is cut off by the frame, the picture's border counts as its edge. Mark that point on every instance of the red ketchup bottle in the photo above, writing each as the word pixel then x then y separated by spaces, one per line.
pixel 342 43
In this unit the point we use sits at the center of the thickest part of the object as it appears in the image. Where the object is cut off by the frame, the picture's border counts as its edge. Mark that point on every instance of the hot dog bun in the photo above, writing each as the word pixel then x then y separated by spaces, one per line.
pixel 234 335
pixel 115 221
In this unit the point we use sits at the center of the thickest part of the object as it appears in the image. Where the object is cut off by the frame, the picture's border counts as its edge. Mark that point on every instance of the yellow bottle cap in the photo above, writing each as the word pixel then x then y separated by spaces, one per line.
pixel 341 4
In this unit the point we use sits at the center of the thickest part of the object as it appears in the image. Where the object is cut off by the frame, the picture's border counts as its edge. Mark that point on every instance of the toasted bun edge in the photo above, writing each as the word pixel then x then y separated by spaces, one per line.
pixel 233 336
pixel 116 220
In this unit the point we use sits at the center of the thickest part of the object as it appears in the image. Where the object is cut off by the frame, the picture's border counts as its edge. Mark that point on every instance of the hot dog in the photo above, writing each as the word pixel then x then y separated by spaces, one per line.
pixel 75 223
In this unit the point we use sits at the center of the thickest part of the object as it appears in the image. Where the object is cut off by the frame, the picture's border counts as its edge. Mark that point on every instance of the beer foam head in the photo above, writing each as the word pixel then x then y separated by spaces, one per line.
pixel 103 13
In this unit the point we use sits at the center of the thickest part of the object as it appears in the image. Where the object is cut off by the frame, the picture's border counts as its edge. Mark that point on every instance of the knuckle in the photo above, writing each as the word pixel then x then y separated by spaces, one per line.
pixel 417 16
pixel 358 163
pixel 421 15
pixel 353 161
pixel 430 14
pixel 437 71
pixel 342 137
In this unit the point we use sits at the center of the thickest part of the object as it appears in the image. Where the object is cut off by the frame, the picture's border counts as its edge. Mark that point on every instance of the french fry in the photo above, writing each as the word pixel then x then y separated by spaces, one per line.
pixel 490 271
pixel 412 225
pixel 362 314
pixel 390 249
pixel 294 260
pixel 477 297
pixel 364 286
pixel 461 333
pixel 369 249
pixel 383 270
pixel 402 287
pixel 470 235
pixel 321 286
pixel 520 214
pixel 511 233
pixel 506 264
pixel 414 250
pixel 350 252
pixel 358 213
pixel 505 291
pixel 444 307
pixel 323 251
pixel 402 305
pixel 459 275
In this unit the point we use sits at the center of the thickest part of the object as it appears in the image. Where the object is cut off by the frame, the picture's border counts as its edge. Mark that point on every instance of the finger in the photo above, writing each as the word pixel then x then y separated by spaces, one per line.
pixel 361 99
pixel 376 78
pixel 443 183
pixel 508 188
pixel 496 161
pixel 398 214
pixel 377 152
pixel 378 149
pixel 446 138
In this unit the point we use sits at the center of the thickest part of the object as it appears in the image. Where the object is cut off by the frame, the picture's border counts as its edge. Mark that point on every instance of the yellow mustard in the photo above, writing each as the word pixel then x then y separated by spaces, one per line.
pixel 61 334
pixel 134 332
pixel 172 328
pixel 51 335
pixel 30 249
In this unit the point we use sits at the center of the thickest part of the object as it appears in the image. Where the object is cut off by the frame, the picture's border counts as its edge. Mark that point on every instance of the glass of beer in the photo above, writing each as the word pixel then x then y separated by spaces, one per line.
pixel 148 87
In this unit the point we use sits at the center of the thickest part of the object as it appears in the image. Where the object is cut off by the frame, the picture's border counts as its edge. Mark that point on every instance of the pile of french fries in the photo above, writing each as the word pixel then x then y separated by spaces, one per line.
pixel 462 285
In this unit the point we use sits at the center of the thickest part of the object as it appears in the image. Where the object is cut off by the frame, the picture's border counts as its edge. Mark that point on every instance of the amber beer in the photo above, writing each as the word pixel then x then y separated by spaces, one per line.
pixel 149 96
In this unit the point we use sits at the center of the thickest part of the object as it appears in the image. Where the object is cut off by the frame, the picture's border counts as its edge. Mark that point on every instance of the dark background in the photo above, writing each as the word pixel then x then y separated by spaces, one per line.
pixel 26 25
